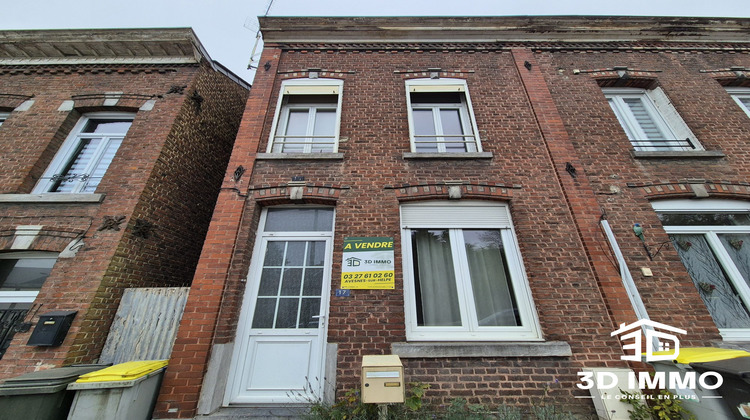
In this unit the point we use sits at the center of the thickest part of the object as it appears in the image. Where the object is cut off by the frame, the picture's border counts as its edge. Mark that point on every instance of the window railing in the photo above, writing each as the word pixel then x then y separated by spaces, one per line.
pixel 9 321
pixel 315 142
pixel 663 145
pixel 422 141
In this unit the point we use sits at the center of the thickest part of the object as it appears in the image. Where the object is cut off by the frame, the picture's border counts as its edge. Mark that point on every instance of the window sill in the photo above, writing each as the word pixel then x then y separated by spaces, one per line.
pixel 300 156
pixel 696 154
pixel 51 198
pixel 483 349
pixel 467 155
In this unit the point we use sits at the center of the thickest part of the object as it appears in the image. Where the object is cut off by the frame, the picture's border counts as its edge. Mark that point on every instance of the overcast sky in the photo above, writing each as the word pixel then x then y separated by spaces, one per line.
pixel 227 27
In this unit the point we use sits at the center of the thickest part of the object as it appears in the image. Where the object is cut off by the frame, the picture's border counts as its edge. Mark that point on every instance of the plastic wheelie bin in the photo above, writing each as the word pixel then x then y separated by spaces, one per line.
pixel 40 395
pixel 126 391
pixel 735 389
pixel 704 403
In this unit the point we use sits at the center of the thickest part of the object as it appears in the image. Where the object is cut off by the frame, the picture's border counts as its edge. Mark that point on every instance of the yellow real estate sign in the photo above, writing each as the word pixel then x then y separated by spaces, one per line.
pixel 368 263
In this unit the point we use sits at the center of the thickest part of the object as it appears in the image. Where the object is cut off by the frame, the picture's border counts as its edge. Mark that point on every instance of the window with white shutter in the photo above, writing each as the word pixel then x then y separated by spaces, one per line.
pixel 741 95
pixel 307 117
pixel 441 119
pixel 650 121
pixel 86 154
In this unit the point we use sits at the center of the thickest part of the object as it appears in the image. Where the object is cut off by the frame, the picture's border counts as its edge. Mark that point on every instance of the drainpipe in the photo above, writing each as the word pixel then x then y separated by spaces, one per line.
pixel 628 283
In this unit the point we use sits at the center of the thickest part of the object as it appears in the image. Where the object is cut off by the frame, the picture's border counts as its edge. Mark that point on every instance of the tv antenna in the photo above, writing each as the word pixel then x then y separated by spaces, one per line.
pixel 253 26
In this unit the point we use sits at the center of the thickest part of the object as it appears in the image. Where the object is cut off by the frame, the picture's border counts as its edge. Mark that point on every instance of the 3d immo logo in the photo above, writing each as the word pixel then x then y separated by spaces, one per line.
pixel 655 341
pixel 664 341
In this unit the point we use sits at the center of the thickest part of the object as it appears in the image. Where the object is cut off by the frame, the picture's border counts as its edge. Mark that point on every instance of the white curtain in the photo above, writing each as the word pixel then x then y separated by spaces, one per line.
pixel 493 293
pixel 435 279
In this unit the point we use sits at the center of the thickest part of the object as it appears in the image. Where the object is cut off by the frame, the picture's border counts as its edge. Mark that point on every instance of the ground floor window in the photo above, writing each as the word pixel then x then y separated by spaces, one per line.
pixel 463 274
pixel 22 275
pixel 713 242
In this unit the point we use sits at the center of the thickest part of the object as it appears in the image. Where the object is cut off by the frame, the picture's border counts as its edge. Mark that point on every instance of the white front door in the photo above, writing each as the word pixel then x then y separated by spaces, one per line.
pixel 279 352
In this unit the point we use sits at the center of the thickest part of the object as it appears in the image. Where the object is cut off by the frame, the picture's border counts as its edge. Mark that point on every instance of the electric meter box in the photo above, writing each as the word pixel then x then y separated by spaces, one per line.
pixel 382 379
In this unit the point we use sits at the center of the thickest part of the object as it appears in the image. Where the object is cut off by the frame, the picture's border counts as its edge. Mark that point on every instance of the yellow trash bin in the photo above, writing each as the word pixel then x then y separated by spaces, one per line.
pixel 126 391
pixel 703 403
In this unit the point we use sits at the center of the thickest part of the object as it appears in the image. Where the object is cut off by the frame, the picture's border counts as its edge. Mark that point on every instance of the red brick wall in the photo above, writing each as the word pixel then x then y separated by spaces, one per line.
pixel 687 78
pixel 534 121
pixel 166 172
pixel 374 121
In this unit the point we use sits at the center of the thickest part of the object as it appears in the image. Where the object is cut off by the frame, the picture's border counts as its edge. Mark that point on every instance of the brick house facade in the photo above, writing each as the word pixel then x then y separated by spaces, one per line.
pixel 524 138
pixel 114 145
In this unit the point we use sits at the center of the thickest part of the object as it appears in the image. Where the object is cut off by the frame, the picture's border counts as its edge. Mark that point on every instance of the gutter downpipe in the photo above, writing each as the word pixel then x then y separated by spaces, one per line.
pixel 628 283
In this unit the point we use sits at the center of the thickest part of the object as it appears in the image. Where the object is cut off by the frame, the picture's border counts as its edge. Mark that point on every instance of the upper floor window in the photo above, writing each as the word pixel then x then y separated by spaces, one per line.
pixel 441 119
pixel 649 120
pixel 741 95
pixel 307 117
pixel 463 275
pixel 3 117
pixel 86 154
pixel 712 238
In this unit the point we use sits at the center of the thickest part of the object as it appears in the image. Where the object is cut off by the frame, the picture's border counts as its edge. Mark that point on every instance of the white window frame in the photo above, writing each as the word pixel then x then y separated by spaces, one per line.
pixel 466 111
pixel 69 147
pixel 661 112
pixel 305 87
pixel 3 116
pixel 711 234
pixel 455 217
pixel 739 93
pixel 27 296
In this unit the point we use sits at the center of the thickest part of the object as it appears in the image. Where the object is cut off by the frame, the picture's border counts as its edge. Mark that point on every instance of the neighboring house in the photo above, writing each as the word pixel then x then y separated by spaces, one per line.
pixel 114 144
pixel 509 159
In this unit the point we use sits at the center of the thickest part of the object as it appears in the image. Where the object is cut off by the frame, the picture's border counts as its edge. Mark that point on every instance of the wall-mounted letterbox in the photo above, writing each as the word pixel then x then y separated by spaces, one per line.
pixel 382 379
pixel 52 328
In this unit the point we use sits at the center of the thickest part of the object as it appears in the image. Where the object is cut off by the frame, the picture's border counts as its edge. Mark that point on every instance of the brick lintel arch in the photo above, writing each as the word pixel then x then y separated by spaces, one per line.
pixel 296 193
pixel 693 189
pixel 453 190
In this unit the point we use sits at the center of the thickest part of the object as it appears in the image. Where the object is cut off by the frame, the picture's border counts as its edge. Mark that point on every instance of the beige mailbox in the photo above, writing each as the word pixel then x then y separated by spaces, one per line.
pixel 382 379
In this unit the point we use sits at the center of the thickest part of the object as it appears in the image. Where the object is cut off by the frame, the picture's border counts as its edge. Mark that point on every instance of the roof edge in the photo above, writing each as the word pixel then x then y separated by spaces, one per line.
pixel 504 29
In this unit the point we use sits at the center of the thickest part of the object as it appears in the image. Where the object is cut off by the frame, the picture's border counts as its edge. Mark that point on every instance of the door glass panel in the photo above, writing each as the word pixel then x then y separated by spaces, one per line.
pixel 434 279
pixel 292 282
pixel 299 220
pixel 269 282
pixel 714 287
pixel 295 253
pixel 310 308
pixel 316 253
pixel 274 254
pixel 286 316
pixel 289 293
pixel 490 279
pixel 265 310
pixel 313 282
